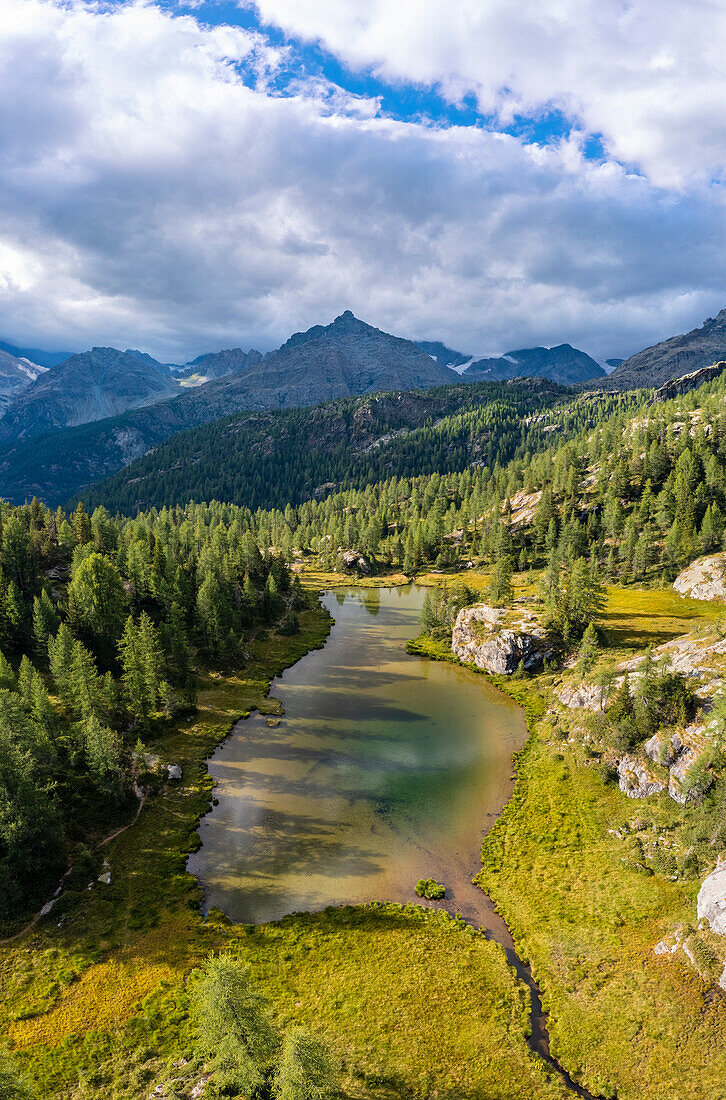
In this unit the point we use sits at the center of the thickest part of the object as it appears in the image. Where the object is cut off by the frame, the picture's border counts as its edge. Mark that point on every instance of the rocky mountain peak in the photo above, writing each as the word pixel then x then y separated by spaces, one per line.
pixel 346 324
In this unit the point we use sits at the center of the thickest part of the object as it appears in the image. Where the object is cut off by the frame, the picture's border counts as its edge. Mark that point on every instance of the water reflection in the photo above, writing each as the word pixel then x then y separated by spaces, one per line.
pixel 384 768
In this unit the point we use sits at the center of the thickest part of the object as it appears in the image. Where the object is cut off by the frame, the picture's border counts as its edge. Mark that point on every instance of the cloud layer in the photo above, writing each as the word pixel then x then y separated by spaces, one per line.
pixel 159 189
pixel 647 75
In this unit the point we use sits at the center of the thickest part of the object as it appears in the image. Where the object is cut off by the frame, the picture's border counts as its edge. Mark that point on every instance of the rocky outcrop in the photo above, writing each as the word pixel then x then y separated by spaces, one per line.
pixel 660 750
pixel 704 579
pixel 582 697
pixel 686 382
pixel 523 506
pixel 669 944
pixel 711 904
pixel 635 780
pixel 500 641
pixel 355 562
pixel 679 787
pixel 679 754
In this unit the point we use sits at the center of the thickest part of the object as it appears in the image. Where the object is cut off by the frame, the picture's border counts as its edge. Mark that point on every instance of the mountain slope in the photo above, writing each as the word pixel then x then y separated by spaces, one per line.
pixel 563 364
pixel 16 374
pixel 217 364
pixel 271 458
pixel 342 359
pixel 446 357
pixel 674 357
pixel 86 387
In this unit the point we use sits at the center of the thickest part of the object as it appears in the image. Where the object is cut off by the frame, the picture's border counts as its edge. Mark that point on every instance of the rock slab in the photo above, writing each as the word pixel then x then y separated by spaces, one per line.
pixel 703 579
pixel 497 642
pixel 712 900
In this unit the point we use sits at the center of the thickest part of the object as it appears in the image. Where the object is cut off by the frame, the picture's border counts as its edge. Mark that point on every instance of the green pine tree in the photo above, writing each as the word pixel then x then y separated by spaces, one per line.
pixel 45 622
pixel 306 1070
pixel 232 1023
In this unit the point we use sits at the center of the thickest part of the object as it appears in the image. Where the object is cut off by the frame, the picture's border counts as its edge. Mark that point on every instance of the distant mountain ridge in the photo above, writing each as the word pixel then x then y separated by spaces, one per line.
pixel 217 364
pixel 563 364
pixel 95 384
pixel 45 359
pixel 443 355
pixel 16 374
pixel 674 357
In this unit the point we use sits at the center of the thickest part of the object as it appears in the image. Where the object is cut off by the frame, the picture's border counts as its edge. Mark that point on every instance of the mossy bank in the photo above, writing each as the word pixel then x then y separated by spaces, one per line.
pixel 565 866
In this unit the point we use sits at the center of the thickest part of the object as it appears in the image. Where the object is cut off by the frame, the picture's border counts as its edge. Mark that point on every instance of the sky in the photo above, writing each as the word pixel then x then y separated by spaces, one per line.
pixel 181 177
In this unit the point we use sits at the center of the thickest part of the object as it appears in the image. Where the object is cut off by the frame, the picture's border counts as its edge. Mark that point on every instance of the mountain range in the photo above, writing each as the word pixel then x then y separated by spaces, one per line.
pixel 344 359
pixel 563 364
pixel 67 426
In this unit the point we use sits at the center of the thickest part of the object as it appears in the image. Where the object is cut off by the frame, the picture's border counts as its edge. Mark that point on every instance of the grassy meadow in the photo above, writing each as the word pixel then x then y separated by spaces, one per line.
pixel 93 1001
pixel 558 863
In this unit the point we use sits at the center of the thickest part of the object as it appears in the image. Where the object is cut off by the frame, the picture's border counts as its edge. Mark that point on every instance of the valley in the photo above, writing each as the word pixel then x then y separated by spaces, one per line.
pixel 362 550
pixel 224 690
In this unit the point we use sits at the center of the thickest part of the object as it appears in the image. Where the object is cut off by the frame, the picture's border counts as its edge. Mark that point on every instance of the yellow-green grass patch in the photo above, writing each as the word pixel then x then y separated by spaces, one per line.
pixel 622 1020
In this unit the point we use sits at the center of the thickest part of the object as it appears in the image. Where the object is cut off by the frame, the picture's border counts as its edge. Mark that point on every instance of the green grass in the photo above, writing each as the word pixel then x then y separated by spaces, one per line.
pixel 414 1004
pixel 637 618
pixel 424 646
pixel 580 912
pixel 588 923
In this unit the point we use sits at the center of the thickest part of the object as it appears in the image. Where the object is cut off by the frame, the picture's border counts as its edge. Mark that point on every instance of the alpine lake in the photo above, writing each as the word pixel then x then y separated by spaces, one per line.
pixel 385 768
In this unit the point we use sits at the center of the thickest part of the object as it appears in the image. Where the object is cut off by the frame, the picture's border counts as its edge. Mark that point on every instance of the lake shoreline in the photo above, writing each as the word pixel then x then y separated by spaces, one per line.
pixel 405 758
pixel 467 899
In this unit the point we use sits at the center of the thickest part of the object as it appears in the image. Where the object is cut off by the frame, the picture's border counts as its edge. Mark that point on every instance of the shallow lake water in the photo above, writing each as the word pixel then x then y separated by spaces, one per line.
pixel 385 768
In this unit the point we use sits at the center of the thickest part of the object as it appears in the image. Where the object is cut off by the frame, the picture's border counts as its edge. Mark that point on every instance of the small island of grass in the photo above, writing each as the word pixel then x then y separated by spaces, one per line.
pixel 431 889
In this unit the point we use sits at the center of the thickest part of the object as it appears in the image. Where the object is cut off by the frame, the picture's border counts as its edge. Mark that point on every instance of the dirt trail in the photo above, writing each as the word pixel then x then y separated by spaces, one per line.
pixel 51 902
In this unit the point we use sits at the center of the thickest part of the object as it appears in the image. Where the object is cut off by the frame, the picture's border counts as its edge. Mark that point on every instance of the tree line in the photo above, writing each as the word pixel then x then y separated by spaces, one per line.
pixel 270 459
pixel 102 623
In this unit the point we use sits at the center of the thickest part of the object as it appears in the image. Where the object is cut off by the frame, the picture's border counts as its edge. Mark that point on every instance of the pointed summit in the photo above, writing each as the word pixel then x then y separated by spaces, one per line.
pixel 344 324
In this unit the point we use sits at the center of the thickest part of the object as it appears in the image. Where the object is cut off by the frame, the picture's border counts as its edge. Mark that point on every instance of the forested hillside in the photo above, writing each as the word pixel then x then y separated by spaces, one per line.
pixel 101 624
pixel 272 459
pixel 99 618
pixel 639 491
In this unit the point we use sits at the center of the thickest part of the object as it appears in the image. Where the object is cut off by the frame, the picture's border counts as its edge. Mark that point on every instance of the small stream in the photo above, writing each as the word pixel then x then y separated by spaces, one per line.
pixel 385 768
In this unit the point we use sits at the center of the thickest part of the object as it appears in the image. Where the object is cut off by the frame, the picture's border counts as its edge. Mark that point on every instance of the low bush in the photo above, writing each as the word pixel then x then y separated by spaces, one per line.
pixel 430 888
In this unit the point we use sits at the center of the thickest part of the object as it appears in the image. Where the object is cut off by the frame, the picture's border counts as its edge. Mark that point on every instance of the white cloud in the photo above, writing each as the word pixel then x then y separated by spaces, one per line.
pixel 650 75
pixel 157 192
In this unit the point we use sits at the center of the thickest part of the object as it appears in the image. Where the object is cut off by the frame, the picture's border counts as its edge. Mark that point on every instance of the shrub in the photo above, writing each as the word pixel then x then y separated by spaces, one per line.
pixel 664 863
pixel 289 625
pixel 430 888
pixel 705 959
